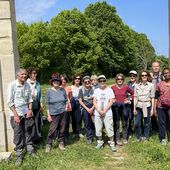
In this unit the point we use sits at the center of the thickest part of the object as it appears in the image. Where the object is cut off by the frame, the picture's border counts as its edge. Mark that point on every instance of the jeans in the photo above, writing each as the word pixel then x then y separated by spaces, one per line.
pixel 22 136
pixel 76 116
pixel 130 119
pixel 146 123
pixel 89 125
pixel 120 112
pixel 163 122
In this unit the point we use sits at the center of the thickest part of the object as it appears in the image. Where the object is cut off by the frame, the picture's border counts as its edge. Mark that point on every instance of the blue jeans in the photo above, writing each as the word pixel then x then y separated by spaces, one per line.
pixel 89 125
pixel 120 112
pixel 146 123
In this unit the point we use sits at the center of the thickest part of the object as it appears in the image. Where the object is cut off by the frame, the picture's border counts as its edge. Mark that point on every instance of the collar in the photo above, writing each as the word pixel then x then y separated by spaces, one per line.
pixel 18 84
pixel 142 83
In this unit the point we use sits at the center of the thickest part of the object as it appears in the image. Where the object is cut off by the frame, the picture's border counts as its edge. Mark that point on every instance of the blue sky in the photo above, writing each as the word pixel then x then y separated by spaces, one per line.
pixel 144 16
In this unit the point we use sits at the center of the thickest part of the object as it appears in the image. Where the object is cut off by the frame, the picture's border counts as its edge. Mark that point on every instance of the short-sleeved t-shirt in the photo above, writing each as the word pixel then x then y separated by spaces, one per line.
pixel 86 95
pixel 102 99
pixel 56 101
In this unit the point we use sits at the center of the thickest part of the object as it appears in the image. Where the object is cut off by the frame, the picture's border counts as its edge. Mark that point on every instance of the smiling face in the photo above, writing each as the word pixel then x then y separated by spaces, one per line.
pixel 87 83
pixel 166 74
pixel 144 76
pixel 102 83
pixel 22 76
pixel 33 75
pixel 77 80
pixel 119 80
pixel 56 83
pixel 155 67
pixel 133 78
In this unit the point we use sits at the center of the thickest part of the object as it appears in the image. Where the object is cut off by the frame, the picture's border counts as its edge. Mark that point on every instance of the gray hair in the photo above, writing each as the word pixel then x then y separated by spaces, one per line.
pixel 19 70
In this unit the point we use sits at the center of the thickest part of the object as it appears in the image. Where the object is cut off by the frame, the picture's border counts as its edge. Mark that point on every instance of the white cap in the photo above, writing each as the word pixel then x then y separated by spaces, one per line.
pixel 133 72
pixel 101 77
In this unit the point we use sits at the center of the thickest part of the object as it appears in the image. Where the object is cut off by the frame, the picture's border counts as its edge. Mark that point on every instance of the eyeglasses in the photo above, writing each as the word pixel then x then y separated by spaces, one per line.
pixel 166 73
pixel 77 78
pixel 56 82
pixel 102 81
pixel 119 79
pixel 86 82
pixel 144 75
pixel 34 73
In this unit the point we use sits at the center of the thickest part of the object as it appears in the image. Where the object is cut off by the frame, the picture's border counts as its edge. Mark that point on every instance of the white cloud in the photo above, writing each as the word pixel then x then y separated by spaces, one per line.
pixel 32 10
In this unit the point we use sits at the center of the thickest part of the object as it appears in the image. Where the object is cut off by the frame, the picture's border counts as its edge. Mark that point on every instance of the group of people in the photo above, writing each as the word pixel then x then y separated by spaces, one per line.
pixel 92 100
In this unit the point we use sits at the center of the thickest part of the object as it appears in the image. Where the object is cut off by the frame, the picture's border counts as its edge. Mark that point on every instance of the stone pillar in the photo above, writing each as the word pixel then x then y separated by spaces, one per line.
pixel 9 62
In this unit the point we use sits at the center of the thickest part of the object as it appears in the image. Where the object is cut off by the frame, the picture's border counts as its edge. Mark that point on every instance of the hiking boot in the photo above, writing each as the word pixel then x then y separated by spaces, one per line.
pixel 48 148
pixel 163 142
pixel 61 146
pixel 18 162
pixel 89 141
pixel 112 147
pixel 99 144
pixel 125 141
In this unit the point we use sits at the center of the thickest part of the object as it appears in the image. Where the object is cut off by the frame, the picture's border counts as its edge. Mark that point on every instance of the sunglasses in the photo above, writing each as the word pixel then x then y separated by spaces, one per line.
pixel 144 75
pixel 102 81
pixel 165 73
pixel 132 76
pixel 86 82
pixel 34 73
pixel 77 78
pixel 56 82
pixel 119 79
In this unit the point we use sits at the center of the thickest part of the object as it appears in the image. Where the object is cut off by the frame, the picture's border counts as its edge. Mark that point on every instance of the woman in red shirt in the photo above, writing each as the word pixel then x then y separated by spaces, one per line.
pixel 120 108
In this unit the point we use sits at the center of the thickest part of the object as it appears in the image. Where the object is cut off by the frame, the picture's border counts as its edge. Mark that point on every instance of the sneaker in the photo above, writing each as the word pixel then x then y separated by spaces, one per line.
pixel 145 139
pixel 99 144
pixel 112 147
pixel 119 142
pixel 61 146
pixel 125 141
pixel 18 162
pixel 81 135
pixel 48 148
pixel 89 141
pixel 163 142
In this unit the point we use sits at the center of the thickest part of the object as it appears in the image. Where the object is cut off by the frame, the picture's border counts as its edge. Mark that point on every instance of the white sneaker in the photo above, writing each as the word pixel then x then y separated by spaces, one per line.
pixel 99 144
pixel 125 141
pixel 164 142
pixel 81 135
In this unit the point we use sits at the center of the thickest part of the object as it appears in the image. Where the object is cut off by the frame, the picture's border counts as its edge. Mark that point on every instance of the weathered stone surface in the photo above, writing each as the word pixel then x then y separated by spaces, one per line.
pixel 5 156
pixel 5 9
pixel 9 62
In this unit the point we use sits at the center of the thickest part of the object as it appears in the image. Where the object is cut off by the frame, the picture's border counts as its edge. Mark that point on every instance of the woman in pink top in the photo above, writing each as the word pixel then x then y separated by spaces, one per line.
pixel 162 106
pixel 120 108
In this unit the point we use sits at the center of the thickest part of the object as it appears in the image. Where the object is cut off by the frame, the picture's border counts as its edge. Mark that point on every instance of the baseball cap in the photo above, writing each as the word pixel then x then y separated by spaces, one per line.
pixel 101 77
pixel 133 72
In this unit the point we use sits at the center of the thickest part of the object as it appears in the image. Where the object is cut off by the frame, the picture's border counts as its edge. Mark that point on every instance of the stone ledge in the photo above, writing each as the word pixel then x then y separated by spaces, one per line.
pixel 5 156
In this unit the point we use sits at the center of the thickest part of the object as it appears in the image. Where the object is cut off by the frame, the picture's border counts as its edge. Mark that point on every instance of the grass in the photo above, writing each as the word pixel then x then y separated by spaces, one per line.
pixel 80 156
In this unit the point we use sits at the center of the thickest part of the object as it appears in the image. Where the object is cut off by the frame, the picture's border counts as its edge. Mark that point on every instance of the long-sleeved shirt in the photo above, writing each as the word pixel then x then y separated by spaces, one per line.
pixel 56 101
pixel 143 94
pixel 19 95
